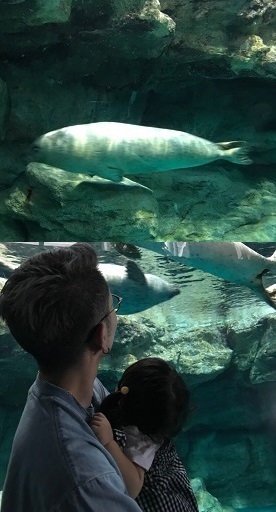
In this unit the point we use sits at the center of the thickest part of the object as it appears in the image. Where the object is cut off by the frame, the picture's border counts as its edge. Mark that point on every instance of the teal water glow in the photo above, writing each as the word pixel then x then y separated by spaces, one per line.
pixel 221 337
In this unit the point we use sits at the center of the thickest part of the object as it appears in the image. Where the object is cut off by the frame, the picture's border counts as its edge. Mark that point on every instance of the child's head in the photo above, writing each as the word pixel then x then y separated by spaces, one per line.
pixel 156 399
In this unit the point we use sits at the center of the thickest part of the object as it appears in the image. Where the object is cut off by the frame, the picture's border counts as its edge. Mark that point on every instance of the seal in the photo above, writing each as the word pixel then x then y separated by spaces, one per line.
pixel 140 291
pixel 232 261
pixel 111 150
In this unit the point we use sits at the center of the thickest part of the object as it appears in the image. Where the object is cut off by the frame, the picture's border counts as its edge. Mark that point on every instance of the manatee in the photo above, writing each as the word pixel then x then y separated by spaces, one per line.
pixel 112 150
pixel 140 291
pixel 232 261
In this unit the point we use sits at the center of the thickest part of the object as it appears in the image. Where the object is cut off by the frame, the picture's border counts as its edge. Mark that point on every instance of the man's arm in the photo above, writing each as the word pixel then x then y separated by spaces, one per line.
pixel 101 494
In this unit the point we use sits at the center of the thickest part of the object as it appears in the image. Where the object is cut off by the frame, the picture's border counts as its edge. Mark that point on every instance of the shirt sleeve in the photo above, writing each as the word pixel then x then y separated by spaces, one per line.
pixel 139 447
pixel 99 495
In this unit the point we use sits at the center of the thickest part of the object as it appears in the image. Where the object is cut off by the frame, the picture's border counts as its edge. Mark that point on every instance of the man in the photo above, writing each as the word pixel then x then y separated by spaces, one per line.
pixel 58 307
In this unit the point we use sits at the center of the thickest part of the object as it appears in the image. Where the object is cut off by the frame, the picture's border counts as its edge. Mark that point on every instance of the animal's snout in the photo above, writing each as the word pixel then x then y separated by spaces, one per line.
pixel 175 291
pixel 30 154
pixel 34 148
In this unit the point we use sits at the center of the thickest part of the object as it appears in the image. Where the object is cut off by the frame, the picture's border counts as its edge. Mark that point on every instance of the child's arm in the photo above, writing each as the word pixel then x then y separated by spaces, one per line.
pixel 133 474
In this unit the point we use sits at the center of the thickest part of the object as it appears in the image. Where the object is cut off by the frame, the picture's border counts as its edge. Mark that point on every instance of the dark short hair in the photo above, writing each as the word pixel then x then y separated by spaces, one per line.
pixel 157 401
pixel 51 303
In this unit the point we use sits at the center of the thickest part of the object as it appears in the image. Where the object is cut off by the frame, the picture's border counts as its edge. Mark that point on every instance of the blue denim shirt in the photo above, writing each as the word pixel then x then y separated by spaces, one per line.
pixel 57 463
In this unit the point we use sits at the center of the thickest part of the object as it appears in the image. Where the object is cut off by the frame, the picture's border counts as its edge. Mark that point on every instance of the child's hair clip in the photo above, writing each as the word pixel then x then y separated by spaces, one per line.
pixel 124 390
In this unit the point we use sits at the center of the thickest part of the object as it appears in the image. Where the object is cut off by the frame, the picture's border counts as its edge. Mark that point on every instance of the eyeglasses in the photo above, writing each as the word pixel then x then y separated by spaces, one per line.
pixel 116 306
pixel 116 303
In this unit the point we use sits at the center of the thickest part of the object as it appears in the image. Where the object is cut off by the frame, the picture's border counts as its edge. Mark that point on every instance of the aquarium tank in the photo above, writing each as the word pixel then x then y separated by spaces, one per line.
pixel 219 335
pixel 137 119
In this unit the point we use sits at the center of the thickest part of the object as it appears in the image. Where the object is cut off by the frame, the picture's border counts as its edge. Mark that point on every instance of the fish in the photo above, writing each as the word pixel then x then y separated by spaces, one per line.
pixel 140 291
pixel 232 261
pixel 112 150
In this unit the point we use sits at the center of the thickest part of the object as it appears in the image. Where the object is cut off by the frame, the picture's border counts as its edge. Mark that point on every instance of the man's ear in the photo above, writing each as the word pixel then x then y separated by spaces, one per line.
pixel 97 341
pixel 102 338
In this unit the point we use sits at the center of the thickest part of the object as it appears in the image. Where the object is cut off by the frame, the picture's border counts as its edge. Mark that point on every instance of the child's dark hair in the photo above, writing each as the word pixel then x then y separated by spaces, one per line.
pixel 154 397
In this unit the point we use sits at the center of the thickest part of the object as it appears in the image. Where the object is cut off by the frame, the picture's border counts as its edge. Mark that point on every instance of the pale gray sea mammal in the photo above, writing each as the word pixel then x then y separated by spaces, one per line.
pixel 232 261
pixel 140 291
pixel 112 150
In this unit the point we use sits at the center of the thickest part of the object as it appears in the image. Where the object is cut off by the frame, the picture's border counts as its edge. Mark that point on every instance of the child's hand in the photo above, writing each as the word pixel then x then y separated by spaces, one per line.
pixel 102 428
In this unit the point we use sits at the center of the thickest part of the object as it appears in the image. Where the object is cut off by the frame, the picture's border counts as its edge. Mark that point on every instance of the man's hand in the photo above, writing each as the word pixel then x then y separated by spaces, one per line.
pixel 102 428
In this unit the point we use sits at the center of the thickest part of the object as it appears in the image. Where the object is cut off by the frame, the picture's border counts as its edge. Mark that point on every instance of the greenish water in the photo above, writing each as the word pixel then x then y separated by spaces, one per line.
pixel 221 337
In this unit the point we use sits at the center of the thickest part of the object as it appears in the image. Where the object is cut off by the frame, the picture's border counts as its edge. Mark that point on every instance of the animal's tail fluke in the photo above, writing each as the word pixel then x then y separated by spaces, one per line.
pixel 235 151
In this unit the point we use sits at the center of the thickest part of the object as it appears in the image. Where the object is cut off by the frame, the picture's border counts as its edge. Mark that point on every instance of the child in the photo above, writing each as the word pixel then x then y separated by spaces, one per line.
pixel 135 424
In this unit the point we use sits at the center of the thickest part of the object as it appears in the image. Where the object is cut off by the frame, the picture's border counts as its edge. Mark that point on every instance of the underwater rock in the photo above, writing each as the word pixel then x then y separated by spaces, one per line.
pixel 53 11
pixel 186 87
pixel 194 205
pixel 144 33
pixel 251 56
pixel 245 344
pixel 205 501
pixel 16 15
pixel 137 338
pixel 201 354
pixel 243 402
pixel 254 353
pixel 240 467
pixel 201 44
pixel 59 207
pixel 263 368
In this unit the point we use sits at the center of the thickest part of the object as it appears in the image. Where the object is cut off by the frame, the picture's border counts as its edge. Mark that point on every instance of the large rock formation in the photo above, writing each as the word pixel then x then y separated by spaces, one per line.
pixel 206 67
pixel 228 445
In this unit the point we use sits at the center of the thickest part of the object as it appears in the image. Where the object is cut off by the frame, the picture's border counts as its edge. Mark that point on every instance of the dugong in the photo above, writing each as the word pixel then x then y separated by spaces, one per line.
pixel 111 150
pixel 232 261
pixel 139 291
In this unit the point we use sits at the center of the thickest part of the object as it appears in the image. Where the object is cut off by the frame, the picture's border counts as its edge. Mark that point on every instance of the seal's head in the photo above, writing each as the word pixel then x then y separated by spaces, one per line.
pixel 50 148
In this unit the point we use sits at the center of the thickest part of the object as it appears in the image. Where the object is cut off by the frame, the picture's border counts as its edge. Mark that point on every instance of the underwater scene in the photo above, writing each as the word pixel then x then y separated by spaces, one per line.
pixel 137 119
pixel 214 320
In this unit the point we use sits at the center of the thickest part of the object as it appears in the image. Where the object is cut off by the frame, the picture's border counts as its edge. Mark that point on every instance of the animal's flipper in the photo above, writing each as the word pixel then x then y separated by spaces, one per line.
pixel 135 273
pixel 273 257
pixel 266 294
pixel 235 151
pixel 110 173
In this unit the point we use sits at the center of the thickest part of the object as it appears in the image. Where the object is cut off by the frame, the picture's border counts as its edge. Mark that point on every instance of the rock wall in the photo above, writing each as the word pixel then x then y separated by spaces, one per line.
pixel 206 67
pixel 228 445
